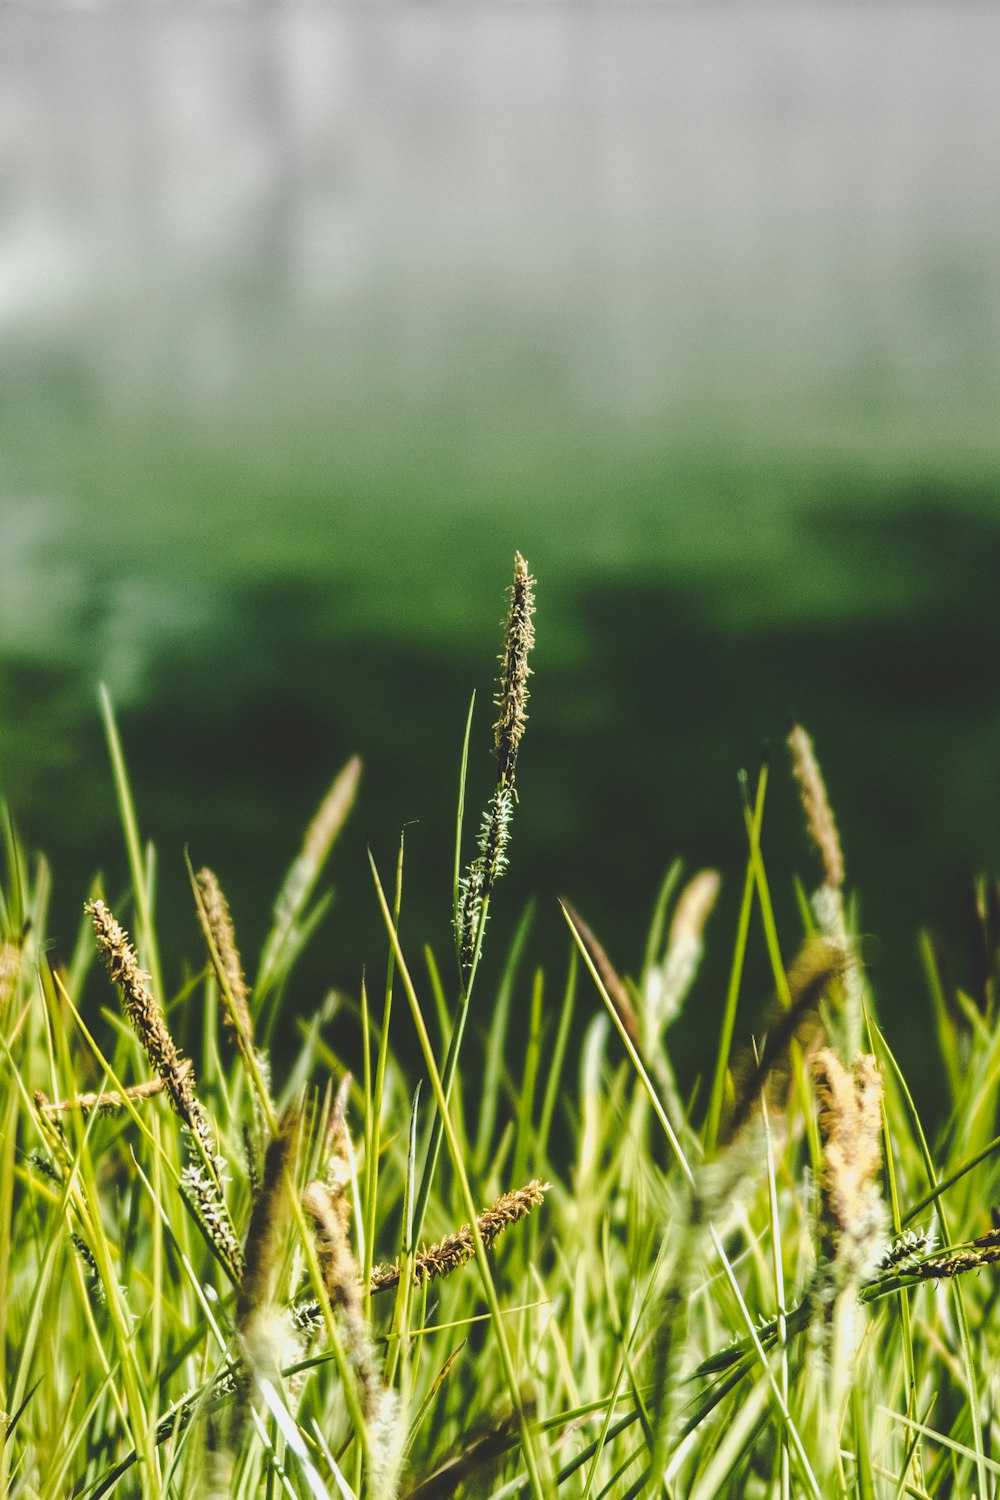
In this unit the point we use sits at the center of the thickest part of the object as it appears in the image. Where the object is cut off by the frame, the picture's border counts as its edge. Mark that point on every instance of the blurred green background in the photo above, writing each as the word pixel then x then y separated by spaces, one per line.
pixel 308 319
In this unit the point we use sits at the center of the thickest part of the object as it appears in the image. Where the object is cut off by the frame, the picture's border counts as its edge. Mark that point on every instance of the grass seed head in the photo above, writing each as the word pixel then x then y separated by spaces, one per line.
pixel 205 1196
pixel 146 1017
pixel 110 1103
pixel 318 840
pixel 668 983
pixel 983 1251
pixel 455 1249
pixel 815 967
pixel 512 688
pixel 694 907
pixel 220 936
pixel 494 834
pixel 614 984
pixel 91 1272
pixel 850 1123
pixel 819 815
pixel 268 1223
pixel 330 1211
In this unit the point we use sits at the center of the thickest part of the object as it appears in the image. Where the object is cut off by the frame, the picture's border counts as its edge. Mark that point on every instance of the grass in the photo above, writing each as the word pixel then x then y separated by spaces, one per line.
pixel 533 1260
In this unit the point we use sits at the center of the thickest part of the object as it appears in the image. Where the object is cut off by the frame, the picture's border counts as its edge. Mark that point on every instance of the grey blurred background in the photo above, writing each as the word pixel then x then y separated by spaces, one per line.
pixel 310 316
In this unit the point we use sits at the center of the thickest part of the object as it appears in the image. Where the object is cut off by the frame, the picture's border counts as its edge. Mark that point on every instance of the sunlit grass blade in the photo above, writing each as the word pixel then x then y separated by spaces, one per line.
pixel 458 1165
pixel 728 1024
pixel 138 868
pixel 281 945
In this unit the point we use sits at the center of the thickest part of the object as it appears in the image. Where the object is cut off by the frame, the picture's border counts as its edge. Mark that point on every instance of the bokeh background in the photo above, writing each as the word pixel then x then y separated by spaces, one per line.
pixel 310 316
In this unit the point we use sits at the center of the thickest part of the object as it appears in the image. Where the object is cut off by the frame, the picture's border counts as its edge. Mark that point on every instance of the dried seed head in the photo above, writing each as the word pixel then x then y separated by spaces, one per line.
pixel 667 983
pixel 319 838
pixel 983 1251
pixel 817 964
pixel 11 957
pixel 336 1147
pixel 455 1249
pixel 694 907
pixel 819 816
pixel 143 1011
pixel 331 815
pixel 617 991
pixel 111 1103
pixel 330 1210
pixel 306 869
pixel 512 689
pixel 217 925
pixel 200 1179
pixel 850 1123
pixel 266 1231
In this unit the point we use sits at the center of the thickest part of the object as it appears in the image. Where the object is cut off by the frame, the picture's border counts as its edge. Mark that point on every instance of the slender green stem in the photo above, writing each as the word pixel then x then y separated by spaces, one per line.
pixel 728 1025
pixel 148 948
pixel 956 1291
pixel 781 1406
pixel 482 1264
pixel 375 1137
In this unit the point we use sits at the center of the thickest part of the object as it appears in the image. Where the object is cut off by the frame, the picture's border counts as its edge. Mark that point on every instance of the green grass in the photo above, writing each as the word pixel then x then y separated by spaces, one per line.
pixel 691 1309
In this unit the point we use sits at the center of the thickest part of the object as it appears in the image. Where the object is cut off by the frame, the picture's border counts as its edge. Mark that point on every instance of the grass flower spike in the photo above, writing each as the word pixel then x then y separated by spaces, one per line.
pixel 111 1103
pixel 512 694
pixel 329 1209
pixel 853 1216
pixel 455 1249
pixel 511 700
pixel 850 1123
pixel 819 815
pixel 217 926
pixel 668 982
pixel 146 1016
pixel 201 1177
pixel 828 900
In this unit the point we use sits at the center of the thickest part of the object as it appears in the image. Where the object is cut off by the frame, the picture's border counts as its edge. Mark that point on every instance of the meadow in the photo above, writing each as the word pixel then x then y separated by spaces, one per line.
pixel 517 1259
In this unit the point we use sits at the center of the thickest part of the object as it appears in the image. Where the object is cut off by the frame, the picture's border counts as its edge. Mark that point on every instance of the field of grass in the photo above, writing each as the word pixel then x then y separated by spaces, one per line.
pixel 542 1264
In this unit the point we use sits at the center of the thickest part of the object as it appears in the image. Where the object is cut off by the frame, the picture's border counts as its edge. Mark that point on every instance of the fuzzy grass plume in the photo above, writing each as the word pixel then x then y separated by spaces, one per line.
pixel 815 968
pixel 820 821
pixel 853 1213
pixel 828 900
pixel 668 982
pixel 303 874
pixel 853 1220
pixel 329 1208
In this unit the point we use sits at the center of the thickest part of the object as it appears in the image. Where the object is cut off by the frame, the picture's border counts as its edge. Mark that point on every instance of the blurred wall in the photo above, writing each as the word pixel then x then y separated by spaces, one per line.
pixel 309 317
